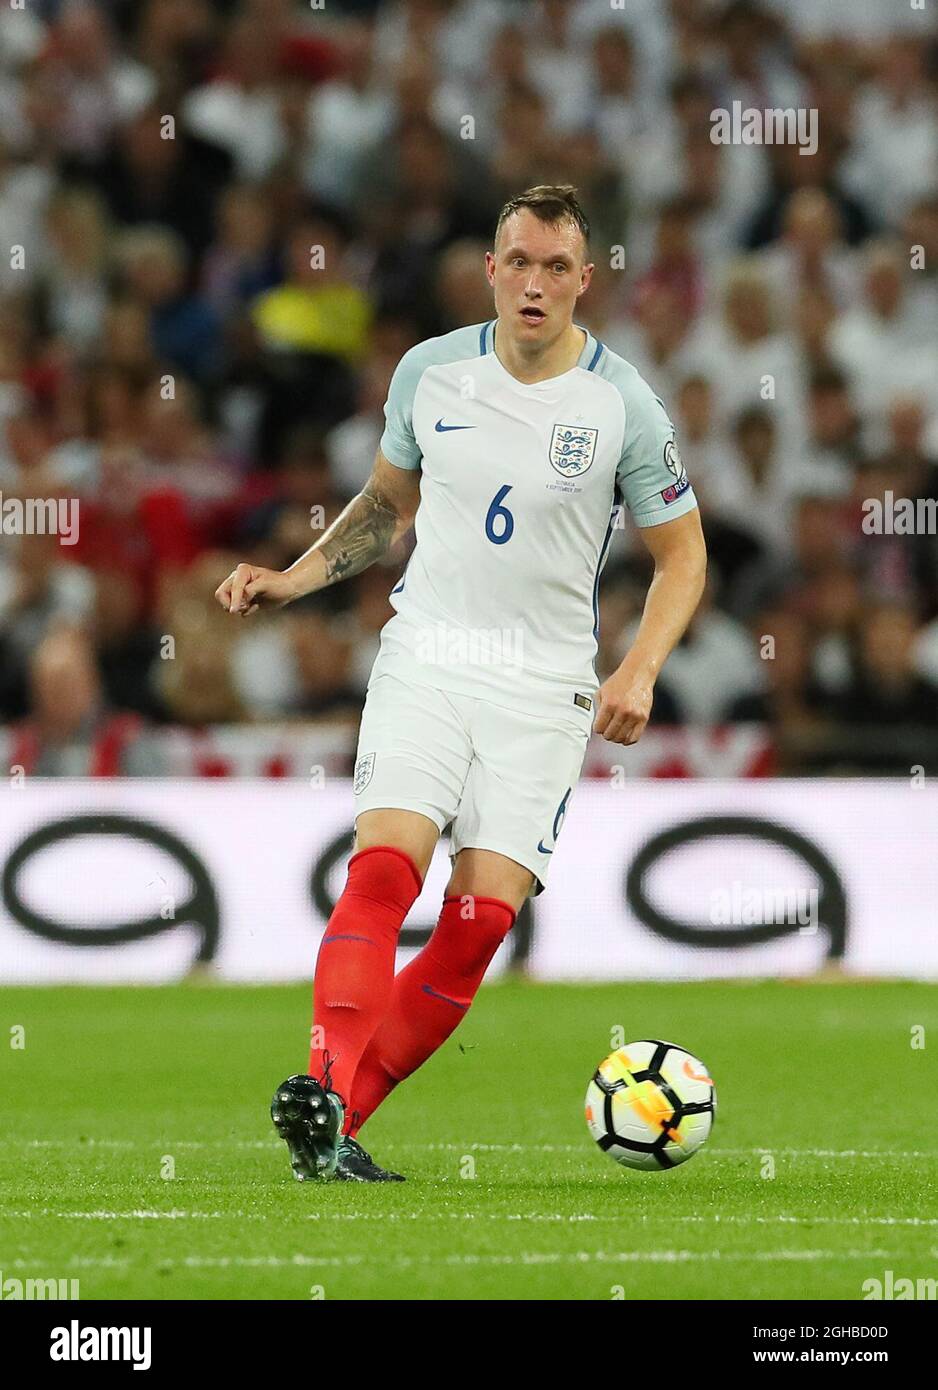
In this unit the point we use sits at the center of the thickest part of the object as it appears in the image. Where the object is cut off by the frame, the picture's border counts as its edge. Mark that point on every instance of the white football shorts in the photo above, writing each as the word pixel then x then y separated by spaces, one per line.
pixel 502 779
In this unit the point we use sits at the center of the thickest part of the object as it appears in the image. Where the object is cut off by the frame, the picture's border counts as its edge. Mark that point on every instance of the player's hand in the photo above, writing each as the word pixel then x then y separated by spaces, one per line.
pixel 250 587
pixel 623 704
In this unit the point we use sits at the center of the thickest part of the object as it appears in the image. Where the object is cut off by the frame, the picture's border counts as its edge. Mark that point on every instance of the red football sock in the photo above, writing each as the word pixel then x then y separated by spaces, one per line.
pixel 355 966
pixel 430 998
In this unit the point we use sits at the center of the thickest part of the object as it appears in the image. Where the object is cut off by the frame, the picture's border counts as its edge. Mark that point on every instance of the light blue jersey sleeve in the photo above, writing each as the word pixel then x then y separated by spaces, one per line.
pixel 398 443
pixel 650 474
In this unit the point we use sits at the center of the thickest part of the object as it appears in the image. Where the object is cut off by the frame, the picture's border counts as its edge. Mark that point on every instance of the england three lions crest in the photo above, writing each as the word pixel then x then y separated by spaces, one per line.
pixel 572 448
pixel 364 769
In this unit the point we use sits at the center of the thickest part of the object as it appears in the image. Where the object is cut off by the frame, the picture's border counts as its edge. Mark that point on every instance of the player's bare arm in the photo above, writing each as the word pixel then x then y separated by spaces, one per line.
pixel 363 532
pixel 678 550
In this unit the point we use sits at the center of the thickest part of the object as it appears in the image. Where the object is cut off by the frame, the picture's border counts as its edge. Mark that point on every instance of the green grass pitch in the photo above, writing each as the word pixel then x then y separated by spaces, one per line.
pixel 507 1196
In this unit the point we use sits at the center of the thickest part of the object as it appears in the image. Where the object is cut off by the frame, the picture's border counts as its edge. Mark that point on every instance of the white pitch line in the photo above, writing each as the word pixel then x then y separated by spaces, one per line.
pixel 825 1220
pixel 524 1258
pixel 139 1214
pixel 643 1218
pixel 527 1258
pixel 72 1143
pixel 76 1262
pixel 272 1144
pixel 713 1151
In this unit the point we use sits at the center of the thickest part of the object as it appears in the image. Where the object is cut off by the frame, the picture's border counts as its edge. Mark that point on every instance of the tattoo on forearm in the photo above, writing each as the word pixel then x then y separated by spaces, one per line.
pixel 361 535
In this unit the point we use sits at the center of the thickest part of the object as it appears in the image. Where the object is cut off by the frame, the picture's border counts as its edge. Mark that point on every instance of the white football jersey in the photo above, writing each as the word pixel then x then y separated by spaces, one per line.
pixel 520 489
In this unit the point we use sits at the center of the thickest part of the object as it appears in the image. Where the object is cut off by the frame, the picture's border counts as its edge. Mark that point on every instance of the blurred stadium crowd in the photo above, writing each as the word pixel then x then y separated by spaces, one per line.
pixel 169 357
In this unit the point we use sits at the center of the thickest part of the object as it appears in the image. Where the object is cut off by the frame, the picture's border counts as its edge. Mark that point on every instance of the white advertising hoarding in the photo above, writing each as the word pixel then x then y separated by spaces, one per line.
pixel 135 880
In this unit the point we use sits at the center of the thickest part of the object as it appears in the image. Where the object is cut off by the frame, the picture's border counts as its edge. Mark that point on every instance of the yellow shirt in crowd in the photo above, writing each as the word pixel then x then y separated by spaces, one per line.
pixel 332 319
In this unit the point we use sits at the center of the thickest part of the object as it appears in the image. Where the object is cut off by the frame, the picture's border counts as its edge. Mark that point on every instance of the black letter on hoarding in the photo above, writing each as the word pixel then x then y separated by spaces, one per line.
pixel 200 911
pixel 519 938
pixel 832 900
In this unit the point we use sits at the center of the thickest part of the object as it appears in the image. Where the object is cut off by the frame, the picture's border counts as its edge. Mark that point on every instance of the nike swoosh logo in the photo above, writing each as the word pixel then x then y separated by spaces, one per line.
pixel 444 429
pixel 434 994
pixel 695 1076
pixel 542 849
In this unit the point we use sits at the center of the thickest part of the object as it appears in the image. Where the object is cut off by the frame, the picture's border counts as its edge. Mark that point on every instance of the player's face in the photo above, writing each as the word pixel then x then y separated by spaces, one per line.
pixel 538 273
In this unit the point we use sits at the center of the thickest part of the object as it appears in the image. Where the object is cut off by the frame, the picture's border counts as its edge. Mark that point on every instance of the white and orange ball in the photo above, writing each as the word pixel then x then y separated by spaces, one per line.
pixel 650 1105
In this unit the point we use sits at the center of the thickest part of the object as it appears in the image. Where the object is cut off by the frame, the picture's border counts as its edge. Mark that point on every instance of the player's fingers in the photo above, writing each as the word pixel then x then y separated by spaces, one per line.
pixel 223 592
pixel 239 579
pixel 625 726
pixel 614 723
pixel 603 715
pixel 633 728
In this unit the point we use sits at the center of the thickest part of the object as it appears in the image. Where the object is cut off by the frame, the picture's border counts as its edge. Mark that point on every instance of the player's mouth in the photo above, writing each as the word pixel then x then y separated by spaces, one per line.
pixel 531 314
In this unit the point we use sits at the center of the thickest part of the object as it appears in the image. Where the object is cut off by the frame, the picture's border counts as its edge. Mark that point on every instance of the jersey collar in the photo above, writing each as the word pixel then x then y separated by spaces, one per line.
pixel 588 359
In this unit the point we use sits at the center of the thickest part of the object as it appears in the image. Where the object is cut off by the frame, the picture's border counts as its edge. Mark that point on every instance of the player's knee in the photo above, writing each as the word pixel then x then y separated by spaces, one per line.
pixel 412 833
pixel 384 873
pixel 484 874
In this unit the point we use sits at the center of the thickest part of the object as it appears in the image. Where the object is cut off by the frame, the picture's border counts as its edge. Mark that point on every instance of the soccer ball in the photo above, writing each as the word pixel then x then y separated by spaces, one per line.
pixel 650 1105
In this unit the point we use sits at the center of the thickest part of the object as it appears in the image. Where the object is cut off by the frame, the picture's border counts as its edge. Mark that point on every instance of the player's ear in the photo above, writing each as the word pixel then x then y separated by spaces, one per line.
pixel 490 267
pixel 586 275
